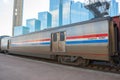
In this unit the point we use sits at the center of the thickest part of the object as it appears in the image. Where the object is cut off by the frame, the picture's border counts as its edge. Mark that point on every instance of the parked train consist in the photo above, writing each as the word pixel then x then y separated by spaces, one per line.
pixel 77 43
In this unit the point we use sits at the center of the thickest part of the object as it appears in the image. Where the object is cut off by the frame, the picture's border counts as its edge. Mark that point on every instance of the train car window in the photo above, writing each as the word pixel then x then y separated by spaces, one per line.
pixel 62 36
pixel 55 37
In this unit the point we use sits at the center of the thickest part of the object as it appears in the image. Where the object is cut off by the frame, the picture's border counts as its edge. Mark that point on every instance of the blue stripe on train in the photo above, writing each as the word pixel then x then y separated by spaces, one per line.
pixel 81 42
pixel 87 41
pixel 46 43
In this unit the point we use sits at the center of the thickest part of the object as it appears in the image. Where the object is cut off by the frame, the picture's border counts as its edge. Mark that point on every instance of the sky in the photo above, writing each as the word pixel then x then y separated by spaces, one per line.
pixel 31 9
pixel 6 17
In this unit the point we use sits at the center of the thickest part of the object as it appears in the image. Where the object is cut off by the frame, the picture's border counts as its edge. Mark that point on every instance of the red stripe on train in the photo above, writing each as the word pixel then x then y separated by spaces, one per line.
pixel 88 36
pixel 38 40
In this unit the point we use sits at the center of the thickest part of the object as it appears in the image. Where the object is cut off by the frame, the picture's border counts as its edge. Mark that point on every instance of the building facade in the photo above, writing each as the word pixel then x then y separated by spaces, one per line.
pixel 66 14
pixel 17 13
pixel 79 13
pixel 33 25
pixel 46 19
pixel 114 8
pixel 20 30
pixel 75 12
pixel 56 12
pixel 67 11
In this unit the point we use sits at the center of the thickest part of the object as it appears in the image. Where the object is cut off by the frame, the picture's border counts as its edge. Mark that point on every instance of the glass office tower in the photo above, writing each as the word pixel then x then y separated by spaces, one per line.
pixel 66 12
pixel 79 12
pixel 46 19
pixel 56 11
pixel 75 12
pixel 20 30
pixel 33 24
pixel 113 11
pixel 54 4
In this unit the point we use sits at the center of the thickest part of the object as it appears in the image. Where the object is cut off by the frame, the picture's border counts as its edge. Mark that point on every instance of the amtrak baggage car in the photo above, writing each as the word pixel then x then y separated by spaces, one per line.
pixel 91 40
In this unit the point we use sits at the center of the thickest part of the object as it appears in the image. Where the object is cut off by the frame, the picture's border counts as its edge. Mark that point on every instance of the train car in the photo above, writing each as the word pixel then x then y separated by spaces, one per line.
pixel 76 43
pixel 4 44
pixel 1 39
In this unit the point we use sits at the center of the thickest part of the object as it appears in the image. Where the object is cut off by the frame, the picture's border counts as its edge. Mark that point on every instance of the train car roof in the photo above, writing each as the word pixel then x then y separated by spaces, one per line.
pixel 68 25
pixel 4 36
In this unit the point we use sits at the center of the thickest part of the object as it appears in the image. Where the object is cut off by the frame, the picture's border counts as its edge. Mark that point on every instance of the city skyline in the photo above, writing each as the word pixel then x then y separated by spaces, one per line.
pixel 63 12
pixel 7 30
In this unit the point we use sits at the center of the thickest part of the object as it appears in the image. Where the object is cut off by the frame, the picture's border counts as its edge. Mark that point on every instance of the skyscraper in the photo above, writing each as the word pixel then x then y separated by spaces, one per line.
pixel 54 4
pixel 113 11
pixel 66 14
pixel 17 13
pixel 79 13
pixel 56 11
pixel 75 12
pixel 33 25
pixel 46 19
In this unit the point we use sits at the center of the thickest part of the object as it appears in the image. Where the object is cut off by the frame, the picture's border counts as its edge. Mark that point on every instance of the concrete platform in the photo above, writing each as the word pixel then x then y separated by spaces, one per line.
pixel 16 68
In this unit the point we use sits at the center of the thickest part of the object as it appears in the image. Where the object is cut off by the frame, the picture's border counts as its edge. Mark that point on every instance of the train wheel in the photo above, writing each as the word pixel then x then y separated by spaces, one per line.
pixel 5 52
pixel 82 62
pixel 78 62
pixel 59 59
pixel 116 61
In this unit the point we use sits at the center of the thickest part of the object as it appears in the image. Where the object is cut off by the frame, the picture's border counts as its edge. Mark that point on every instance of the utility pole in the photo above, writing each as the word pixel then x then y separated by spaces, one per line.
pixel 17 14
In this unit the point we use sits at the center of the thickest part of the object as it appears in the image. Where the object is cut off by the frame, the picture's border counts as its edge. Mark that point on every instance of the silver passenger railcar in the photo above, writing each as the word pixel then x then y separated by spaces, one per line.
pixel 80 42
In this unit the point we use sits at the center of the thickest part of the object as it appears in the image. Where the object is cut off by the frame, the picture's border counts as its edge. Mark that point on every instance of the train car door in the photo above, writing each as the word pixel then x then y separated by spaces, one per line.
pixel 58 42
pixel 62 39
pixel 54 42
pixel 114 38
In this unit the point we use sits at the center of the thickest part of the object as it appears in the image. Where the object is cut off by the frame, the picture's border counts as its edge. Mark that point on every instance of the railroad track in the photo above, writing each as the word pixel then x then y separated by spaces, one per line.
pixel 103 68
pixel 98 67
